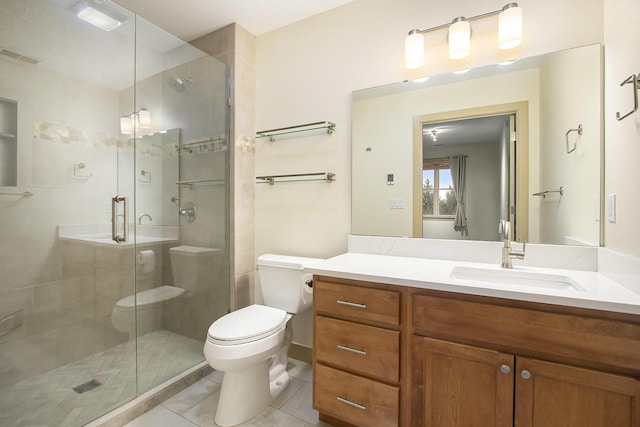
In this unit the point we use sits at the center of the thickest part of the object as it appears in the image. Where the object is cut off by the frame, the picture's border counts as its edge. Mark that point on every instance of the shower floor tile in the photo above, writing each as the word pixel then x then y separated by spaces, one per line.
pixel 48 399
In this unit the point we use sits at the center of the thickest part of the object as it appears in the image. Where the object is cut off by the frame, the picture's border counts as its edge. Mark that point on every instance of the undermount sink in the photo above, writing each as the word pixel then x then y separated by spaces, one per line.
pixel 516 277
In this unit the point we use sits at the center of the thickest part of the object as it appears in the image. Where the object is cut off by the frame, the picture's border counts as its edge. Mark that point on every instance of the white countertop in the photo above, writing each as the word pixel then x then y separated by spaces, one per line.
pixel 598 292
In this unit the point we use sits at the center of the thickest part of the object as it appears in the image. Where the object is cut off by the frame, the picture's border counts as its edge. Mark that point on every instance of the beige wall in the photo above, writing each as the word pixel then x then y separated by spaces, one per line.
pixel 570 94
pixel 307 71
pixel 622 147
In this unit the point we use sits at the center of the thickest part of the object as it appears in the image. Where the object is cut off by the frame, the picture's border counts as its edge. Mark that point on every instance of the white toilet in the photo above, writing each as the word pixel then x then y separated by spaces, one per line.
pixel 250 345
pixel 192 267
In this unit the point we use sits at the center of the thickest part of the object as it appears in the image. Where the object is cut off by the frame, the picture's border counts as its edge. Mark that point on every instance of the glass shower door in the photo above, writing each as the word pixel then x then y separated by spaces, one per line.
pixel 93 315
pixel 67 352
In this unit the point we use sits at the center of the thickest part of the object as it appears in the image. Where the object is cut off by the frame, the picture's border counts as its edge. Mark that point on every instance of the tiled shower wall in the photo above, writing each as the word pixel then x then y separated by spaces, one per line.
pixel 200 112
pixel 235 46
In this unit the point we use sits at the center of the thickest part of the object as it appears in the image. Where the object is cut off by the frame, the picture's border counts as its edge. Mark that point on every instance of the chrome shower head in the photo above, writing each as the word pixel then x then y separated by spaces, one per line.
pixel 179 84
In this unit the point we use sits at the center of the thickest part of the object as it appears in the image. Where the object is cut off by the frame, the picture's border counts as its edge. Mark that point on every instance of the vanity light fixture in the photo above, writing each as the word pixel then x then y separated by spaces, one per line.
pixel 98 14
pixel 139 120
pixel 459 37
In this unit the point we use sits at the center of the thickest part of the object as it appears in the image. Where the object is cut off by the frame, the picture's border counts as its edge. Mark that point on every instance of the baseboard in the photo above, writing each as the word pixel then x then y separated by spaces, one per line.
pixel 300 352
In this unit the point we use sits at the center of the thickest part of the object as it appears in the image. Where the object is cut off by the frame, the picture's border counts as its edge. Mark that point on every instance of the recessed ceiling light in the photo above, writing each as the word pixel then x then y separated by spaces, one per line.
pixel 99 15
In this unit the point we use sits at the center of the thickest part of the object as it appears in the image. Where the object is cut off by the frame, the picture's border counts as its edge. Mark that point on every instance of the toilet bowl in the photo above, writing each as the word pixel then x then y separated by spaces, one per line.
pixel 147 305
pixel 250 345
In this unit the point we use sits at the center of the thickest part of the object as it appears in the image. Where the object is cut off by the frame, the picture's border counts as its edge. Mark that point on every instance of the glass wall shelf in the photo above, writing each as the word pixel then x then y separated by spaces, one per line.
pixel 271 134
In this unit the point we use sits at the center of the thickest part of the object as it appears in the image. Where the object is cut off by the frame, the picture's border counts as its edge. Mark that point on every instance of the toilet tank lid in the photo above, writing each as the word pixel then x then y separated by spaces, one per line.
pixel 192 250
pixel 286 261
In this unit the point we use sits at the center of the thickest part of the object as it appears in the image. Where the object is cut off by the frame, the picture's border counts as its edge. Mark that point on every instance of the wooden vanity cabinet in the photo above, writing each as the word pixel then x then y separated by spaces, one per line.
pixel 399 356
pixel 480 361
pixel 357 351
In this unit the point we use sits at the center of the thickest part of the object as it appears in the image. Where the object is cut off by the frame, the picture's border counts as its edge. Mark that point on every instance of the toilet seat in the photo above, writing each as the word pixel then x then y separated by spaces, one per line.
pixel 248 324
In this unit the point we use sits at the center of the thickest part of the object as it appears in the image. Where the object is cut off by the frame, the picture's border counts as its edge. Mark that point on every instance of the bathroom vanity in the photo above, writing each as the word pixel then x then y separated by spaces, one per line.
pixel 400 342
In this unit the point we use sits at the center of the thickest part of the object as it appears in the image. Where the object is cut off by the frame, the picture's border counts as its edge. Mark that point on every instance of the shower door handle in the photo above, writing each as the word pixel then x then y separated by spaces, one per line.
pixel 114 219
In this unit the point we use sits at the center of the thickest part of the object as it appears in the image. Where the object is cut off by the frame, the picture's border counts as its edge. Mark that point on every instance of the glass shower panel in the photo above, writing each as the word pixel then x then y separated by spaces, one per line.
pixel 180 126
pixel 67 354
pixel 90 118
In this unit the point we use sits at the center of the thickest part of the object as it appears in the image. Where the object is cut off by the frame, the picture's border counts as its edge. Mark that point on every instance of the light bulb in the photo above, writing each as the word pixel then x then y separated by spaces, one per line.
pixel 414 50
pixel 510 26
pixel 459 38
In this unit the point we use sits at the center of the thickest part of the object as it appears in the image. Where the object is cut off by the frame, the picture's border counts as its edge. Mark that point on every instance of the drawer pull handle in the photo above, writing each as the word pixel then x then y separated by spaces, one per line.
pixel 352 350
pixel 351 304
pixel 348 402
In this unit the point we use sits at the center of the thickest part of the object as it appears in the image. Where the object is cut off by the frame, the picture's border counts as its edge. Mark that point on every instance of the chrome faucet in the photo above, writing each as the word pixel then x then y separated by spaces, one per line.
pixel 142 216
pixel 504 227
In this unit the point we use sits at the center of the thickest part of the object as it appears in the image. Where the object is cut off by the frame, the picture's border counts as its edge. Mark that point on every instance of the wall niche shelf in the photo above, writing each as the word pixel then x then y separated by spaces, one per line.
pixel 8 142
pixel 298 130
pixel 297 177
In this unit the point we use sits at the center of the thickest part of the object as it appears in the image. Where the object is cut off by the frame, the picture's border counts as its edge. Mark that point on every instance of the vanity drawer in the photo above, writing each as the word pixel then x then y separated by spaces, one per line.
pixel 363 303
pixel 356 400
pixel 363 349
pixel 577 336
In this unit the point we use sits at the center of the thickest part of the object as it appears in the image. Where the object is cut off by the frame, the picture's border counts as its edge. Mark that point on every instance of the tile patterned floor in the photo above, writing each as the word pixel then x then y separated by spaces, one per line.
pixel 47 399
pixel 196 405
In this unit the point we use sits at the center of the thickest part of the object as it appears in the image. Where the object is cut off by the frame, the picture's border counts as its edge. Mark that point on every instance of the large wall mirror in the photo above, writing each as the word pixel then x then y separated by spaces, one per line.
pixel 520 141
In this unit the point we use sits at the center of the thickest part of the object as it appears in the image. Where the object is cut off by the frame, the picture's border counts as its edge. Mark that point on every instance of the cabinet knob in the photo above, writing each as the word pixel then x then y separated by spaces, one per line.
pixel 525 374
pixel 505 369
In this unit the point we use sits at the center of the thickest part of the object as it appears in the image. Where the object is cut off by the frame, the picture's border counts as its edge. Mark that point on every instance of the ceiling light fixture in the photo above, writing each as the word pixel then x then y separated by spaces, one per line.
pixel 136 121
pixel 98 14
pixel 459 37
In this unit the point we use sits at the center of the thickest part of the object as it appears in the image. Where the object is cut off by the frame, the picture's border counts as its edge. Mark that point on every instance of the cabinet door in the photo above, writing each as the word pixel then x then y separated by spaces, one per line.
pixel 550 394
pixel 462 386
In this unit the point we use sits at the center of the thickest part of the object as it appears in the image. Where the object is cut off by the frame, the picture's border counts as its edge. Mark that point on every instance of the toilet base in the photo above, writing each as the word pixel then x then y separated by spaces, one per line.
pixel 246 392
pixel 236 405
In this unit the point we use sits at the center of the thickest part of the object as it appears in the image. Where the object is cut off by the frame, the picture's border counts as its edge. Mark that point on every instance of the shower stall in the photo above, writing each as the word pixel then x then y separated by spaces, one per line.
pixel 114 208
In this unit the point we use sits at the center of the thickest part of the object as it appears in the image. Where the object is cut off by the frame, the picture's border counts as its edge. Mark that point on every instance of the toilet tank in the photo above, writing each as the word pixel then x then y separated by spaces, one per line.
pixel 282 281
